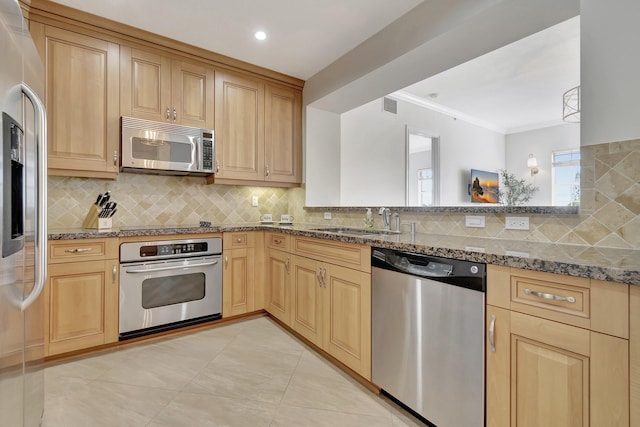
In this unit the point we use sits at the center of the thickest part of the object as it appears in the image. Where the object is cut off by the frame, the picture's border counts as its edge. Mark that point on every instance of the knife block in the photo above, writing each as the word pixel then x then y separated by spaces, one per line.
pixel 93 219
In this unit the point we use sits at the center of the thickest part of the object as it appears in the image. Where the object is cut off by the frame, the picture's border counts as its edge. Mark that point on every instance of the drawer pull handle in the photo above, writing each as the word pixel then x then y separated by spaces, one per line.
pixel 115 273
pixel 549 296
pixel 226 261
pixel 286 264
pixel 78 250
pixel 277 241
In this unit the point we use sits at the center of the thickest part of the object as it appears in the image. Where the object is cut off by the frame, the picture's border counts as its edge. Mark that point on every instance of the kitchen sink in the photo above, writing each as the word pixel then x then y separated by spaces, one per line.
pixel 355 231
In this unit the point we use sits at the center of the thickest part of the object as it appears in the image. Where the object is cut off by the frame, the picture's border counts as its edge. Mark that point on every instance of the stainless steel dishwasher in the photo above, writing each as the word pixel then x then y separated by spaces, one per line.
pixel 428 335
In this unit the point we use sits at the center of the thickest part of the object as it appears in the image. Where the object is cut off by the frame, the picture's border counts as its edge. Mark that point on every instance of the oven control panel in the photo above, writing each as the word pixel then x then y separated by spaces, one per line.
pixel 174 249
pixel 168 249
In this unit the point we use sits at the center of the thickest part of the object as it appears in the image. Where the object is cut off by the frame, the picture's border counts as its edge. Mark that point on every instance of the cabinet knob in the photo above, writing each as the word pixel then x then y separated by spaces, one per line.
pixel 239 240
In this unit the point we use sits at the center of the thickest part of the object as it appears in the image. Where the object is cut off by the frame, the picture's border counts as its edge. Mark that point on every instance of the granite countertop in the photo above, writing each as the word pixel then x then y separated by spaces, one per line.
pixel 616 265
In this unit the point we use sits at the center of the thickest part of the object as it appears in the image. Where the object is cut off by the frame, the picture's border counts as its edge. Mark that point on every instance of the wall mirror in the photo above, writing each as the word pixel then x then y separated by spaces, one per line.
pixel 496 112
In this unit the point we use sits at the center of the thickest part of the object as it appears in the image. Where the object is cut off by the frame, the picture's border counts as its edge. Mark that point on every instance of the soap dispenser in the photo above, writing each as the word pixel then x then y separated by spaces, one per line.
pixel 368 220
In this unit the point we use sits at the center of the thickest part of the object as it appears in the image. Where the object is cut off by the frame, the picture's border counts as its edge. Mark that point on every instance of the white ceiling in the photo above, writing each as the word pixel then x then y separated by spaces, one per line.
pixel 304 35
pixel 515 88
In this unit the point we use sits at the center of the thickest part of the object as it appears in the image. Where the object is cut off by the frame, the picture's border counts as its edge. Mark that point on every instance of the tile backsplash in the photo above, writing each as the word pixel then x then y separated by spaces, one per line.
pixel 155 200
pixel 609 212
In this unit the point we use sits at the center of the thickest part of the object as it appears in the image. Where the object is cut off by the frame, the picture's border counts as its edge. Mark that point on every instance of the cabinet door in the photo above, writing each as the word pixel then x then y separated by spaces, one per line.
pixel 192 94
pixel 347 317
pixel 82 309
pixel 498 357
pixel 279 285
pixel 283 134
pixel 82 83
pixel 306 299
pixel 238 281
pixel 239 127
pixel 145 90
pixel 549 373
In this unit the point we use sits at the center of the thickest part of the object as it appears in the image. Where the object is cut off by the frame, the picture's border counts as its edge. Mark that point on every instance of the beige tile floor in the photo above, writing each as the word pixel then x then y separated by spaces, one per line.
pixel 251 373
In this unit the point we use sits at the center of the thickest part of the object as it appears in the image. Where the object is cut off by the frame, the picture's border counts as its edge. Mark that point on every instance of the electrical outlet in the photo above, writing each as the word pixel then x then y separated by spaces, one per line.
pixel 516 223
pixel 517 254
pixel 327 215
pixel 254 201
pixel 474 221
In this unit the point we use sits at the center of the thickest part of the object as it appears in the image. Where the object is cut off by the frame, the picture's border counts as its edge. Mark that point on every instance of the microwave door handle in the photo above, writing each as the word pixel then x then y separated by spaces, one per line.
pixel 40 133
pixel 197 144
pixel 175 267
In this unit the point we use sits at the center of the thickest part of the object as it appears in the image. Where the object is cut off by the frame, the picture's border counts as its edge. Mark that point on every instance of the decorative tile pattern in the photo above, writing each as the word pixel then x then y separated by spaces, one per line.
pixel 155 200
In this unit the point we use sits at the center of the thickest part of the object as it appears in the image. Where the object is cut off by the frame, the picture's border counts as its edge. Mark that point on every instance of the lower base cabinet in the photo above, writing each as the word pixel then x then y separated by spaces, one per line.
pixel 542 372
pixel 328 304
pixel 81 295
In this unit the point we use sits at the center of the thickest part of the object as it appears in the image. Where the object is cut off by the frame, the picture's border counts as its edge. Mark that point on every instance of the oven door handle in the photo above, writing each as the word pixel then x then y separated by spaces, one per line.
pixel 175 267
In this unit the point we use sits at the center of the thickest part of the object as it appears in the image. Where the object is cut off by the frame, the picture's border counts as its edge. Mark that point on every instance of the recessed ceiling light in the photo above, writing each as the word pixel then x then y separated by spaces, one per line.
pixel 261 35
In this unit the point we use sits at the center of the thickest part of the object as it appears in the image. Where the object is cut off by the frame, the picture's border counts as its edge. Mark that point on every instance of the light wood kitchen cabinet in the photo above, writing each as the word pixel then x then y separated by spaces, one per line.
pixel 543 371
pixel 81 295
pixel 307 299
pixel 258 130
pixel 238 273
pixel 283 134
pixel 278 286
pixel 82 84
pixel 164 89
pixel 331 303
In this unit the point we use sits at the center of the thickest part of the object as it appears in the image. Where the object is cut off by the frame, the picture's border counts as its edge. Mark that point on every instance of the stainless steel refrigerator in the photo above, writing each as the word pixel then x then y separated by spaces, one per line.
pixel 23 261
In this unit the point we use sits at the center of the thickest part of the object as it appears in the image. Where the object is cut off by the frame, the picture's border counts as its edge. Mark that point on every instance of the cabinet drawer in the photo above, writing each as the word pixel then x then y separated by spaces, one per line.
pixel 578 301
pixel 240 239
pixel 278 241
pixel 344 254
pixel 82 250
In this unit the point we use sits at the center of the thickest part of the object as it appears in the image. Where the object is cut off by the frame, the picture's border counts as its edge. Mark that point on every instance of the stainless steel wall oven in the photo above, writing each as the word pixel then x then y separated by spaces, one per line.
pixel 168 284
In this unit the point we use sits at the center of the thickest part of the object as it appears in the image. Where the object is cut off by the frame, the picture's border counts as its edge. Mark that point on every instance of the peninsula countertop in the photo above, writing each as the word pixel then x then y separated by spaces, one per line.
pixel 608 264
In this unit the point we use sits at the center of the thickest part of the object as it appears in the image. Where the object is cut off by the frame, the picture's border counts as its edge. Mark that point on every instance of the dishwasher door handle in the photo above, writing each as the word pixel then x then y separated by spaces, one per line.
pixel 492 328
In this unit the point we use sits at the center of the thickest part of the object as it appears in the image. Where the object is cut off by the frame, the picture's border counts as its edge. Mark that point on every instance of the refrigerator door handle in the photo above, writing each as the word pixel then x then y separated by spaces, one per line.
pixel 40 133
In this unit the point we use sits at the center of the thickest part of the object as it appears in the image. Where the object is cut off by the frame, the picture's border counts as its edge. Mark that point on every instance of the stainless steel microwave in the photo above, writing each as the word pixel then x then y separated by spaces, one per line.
pixel 163 148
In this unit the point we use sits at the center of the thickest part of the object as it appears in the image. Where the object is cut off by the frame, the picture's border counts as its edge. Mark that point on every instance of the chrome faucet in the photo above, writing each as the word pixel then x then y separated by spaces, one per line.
pixel 386 214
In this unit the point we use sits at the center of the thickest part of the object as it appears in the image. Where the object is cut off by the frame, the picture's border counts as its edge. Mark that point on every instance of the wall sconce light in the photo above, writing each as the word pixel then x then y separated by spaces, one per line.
pixel 532 163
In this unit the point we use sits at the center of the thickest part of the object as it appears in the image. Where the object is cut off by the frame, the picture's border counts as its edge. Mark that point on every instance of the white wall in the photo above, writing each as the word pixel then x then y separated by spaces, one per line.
pixel 322 154
pixel 373 153
pixel 541 143
pixel 610 84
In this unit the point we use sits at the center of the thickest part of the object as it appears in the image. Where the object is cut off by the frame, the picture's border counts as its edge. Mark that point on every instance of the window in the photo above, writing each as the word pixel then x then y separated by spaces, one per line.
pixel 566 178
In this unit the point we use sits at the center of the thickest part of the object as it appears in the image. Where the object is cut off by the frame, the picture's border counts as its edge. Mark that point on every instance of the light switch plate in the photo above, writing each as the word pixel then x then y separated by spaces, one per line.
pixel 474 221
pixel 327 215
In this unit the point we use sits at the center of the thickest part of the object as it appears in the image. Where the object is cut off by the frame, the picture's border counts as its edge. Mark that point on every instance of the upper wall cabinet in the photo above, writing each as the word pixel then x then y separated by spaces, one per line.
pixel 283 134
pixel 258 130
pixel 82 83
pixel 157 87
